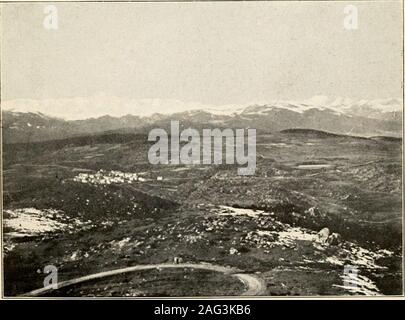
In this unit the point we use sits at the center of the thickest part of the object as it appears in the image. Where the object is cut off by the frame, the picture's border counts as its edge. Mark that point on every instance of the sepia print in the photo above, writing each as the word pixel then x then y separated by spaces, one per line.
pixel 202 149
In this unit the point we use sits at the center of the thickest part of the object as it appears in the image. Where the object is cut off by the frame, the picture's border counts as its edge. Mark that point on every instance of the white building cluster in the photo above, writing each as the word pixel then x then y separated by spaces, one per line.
pixel 108 177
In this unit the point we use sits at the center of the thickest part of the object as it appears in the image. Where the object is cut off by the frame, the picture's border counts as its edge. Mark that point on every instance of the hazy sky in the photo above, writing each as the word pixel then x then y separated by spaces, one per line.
pixel 211 53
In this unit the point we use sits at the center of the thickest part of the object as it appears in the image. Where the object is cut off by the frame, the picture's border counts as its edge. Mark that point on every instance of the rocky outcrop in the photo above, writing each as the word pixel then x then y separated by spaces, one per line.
pixel 325 237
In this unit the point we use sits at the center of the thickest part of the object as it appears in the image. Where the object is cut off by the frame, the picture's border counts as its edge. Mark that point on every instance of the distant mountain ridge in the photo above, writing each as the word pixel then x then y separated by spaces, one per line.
pixel 340 116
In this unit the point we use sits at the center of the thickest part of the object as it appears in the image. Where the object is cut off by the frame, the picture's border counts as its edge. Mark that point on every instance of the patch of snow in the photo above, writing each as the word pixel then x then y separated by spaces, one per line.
pixel 358 284
pixel 31 221
pixel 291 235
pixel 334 260
pixel 231 211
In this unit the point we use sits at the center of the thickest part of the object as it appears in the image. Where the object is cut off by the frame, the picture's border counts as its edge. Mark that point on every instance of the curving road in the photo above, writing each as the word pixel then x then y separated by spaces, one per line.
pixel 254 285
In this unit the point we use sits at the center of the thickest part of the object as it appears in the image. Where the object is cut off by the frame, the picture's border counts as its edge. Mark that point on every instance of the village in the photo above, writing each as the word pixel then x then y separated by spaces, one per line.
pixel 111 177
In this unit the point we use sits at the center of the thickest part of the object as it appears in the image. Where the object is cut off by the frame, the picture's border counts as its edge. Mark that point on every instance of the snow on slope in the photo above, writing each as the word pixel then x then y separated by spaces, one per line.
pixel 102 104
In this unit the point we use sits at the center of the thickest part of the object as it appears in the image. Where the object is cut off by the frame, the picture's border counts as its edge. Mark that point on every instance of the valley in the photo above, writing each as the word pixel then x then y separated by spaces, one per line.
pixel 95 204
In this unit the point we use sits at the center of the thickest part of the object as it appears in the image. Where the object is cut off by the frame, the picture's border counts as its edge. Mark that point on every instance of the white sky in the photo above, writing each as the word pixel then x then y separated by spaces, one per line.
pixel 207 53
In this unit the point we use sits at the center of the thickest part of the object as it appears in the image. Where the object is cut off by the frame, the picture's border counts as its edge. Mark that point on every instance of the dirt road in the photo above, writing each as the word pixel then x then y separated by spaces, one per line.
pixel 254 286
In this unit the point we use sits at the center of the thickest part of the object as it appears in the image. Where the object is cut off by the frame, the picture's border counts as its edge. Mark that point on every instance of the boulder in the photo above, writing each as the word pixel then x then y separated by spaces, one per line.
pixel 177 260
pixel 334 239
pixel 323 235
pixel 311 211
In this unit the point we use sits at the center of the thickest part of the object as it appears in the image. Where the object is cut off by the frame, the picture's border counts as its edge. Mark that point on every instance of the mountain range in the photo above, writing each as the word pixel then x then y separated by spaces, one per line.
pixel 338 115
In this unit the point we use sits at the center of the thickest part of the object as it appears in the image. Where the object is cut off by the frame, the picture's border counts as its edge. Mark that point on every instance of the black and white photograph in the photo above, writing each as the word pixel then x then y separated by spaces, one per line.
pixel 208 149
